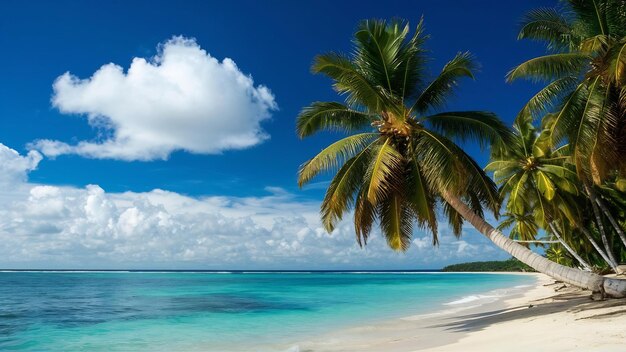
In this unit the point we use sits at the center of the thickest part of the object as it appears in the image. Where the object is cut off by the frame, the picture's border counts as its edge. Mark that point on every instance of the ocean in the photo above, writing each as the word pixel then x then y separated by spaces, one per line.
pixel 226 311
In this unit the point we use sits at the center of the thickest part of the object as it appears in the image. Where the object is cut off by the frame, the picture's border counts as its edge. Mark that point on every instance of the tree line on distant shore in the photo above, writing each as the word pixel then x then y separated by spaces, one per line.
pixel 492 265
pixel 559 173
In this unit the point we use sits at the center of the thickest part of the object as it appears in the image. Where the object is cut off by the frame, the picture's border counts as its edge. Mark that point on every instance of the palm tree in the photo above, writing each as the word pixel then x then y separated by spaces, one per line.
pixel 538 183
pixel 585 72
pixel 524 229
pixel 398 170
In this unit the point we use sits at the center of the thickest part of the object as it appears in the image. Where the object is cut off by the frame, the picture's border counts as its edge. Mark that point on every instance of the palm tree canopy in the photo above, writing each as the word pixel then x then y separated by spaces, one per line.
pixel 530 173
pixel 538 181
pixel 401 153
pixel 585 72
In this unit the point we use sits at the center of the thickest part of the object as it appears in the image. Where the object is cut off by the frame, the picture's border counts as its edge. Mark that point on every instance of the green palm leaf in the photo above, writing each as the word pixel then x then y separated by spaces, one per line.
pixel 349 80
pixel 549 25
pixel 545 185
pixel 334 155
pixel 396 222
pixel 516 187
pixel 420 197
pixel 545 68
pixel 383 171
pixel 339 195
pixel 455 220
pixel 435 95
pixel 330 117
pixel 364 216
pixel 548 97
pixel 480 126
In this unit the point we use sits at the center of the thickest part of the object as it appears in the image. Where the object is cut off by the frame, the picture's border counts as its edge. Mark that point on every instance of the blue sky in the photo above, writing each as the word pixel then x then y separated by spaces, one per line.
pixel 249 177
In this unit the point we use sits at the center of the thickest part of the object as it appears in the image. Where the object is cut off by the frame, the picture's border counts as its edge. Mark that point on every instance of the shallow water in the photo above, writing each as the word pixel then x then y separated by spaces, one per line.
pixel 123 311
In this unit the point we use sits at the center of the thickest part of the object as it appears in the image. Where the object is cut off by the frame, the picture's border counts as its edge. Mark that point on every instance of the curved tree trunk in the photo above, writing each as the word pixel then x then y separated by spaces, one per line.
pixel 605 241
pixel 609 216
pixel 569 249
pixel 595 245
pixel 594 282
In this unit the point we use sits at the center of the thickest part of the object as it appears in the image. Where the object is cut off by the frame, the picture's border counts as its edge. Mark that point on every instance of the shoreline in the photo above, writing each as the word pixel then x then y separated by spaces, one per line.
pixel 538 318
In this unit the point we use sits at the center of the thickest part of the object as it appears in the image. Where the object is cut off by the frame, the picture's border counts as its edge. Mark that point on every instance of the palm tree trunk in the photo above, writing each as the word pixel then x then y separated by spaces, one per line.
pixel 605 241
pixel 594 282
pixel 595 245
pixel 614 223
pixel 569 249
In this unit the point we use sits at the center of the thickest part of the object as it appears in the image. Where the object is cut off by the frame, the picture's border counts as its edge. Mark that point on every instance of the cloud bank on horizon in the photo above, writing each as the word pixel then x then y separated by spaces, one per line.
pixel 181 99
pixel 44 226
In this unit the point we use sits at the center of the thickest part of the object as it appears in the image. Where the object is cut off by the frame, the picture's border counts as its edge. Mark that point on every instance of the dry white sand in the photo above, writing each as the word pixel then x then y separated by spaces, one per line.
pixel 547 317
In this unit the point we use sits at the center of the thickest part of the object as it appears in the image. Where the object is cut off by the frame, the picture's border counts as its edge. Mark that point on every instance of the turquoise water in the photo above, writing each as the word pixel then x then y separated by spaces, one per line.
pixel 119 311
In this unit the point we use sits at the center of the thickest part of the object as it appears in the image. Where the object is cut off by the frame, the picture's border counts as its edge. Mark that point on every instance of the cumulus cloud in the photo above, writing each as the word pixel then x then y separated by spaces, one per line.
pixel 14 167
pixel 181 99
pixel 71 227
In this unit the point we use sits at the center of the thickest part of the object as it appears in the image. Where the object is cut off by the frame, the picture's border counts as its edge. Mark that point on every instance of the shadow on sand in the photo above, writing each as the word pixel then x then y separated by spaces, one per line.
pixel 571 300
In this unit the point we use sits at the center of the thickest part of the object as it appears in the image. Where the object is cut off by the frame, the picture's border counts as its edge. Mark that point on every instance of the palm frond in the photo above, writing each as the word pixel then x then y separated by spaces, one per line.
pixel 436 94
pixel 619 64
pixel 447 167
pixel 545 185
pixel 548 25
pixel 478 126
pixel 420 196
pixel 592 14
pixel 330 116
pixel 384 171
pixel 548 97
pixel 517 188
pixel 595 44
pixel 389 59
pixel 333 156
pixel 616 17
pixel 548 67
pixel 560 124
pixel 350 81
pixel 341 190
pixel 455 220
pixel 396 221
pixel 411 61
pixel 364 216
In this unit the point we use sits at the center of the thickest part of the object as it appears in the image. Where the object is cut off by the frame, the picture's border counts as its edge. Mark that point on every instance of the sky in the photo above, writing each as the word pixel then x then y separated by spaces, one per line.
pixel 161 134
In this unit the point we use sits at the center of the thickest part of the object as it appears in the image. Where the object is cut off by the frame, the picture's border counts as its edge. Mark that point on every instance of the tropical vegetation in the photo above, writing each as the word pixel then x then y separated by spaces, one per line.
pixel 492 265
pixel 401 163
pixel 582 113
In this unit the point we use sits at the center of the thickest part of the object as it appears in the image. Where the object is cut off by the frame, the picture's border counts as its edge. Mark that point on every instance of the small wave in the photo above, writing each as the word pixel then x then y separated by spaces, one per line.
pixel 473 298
pixel 490 296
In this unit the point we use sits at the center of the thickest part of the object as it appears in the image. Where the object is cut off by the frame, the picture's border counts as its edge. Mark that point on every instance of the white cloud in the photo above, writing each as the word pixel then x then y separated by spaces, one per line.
pixel 182 99
pixel 14 167
pixel 69 227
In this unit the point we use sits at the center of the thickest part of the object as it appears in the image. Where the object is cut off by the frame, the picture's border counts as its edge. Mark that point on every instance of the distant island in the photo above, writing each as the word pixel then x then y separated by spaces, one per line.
pixel 502 265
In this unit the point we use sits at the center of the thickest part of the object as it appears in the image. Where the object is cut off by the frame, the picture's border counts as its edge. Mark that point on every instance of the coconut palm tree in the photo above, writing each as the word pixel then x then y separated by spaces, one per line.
pixel 585 72
pixel 524 229
pixel 539 185
pixel 400 160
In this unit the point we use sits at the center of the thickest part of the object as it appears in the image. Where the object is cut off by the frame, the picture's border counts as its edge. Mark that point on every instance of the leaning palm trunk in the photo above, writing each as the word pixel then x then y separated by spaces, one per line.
pixel 569 249
pixel 614 223
pixel 594 282
pixel 595 245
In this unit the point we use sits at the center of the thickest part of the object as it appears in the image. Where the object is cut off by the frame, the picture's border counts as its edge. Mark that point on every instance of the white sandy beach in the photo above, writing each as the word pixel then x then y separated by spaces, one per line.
pixel 547 317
